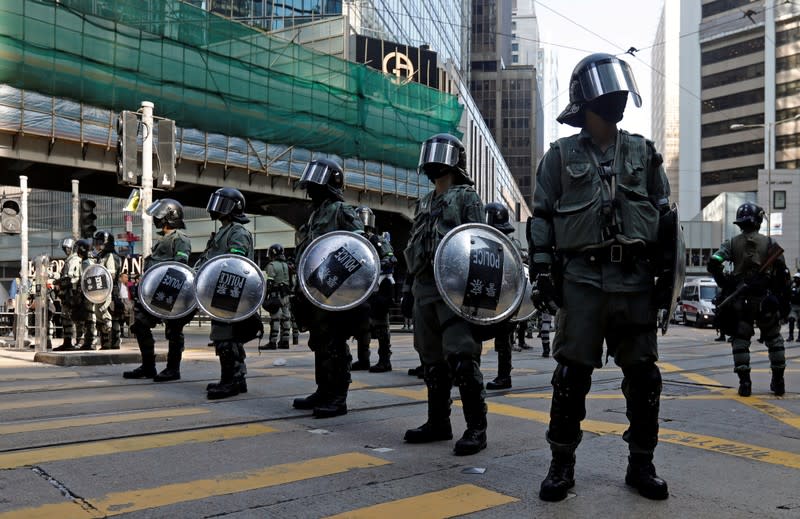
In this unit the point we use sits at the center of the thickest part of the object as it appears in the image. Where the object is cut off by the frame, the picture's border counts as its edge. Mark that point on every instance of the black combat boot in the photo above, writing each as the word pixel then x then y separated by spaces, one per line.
pixel 335 405
pixel 418 372
pixel 227 385
pixel 777 384
pixel 147 349
pixel 321 394
pixel 66 346
pixel 545 349
pixel 470 386
pixel 338 382
pixel 295 339
pixel 437 428
pixel 283 344
pixel 384 354
pixel 271 345
pixel 140 372
pixel 745 385
pixel 641 475
pixel 173 369
pixel 561 475
pixel 503 380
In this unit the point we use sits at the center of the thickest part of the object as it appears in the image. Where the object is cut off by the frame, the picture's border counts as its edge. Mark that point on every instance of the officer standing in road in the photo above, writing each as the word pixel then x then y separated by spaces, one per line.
pixel 794 313
pixel 82 309
pixel 67 287
pixel 227 205
pixel 379 302
pixel 174 245
pixel 323 180
pixel 448 350
pixel 759 284
pixel 600 202
pixel 107 257
pixel 497 217
pixel 278 290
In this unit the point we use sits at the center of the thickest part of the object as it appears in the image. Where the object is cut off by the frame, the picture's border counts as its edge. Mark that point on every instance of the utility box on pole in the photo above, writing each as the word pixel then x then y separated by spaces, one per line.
pixel 166 154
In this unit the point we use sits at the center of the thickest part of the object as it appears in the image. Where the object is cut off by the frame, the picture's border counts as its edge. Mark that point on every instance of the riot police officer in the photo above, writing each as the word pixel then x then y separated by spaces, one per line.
pixel 600 205
pixel 379 302
pixel 227 205
pixel 277 301
pixel 67 292
pixel 759 285
pixel 323 181
pixel 794 313
pixel 448 350
pixel 82 311
pixel 108 324
pixel 497 217
pixel 174 245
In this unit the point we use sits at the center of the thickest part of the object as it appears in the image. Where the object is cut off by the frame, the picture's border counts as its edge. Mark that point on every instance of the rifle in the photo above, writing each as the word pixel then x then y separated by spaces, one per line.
pixel 776 253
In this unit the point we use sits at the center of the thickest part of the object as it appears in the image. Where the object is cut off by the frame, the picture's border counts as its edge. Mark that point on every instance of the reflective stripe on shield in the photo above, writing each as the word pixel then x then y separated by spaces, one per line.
pixel 166 290
pixel 338 271
pixel 479 273
pixel 229 288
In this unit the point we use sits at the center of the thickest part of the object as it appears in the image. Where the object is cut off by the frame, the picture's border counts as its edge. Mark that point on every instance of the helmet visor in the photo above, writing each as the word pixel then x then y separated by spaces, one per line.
pixel 220 204
pixel 157 209
pixel 605 77
pixel 438 152
pixel 314 173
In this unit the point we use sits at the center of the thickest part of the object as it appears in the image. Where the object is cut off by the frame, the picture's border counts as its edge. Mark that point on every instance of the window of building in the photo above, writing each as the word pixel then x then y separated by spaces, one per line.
pixel 787 36
pixel 515 59
pixel 748 97
pixel 736 50
pixel 738 149
pixel 724 127
pixel 734 76
pixel 726 176
pixel 515 47
pixel 720 6
pixel 788 63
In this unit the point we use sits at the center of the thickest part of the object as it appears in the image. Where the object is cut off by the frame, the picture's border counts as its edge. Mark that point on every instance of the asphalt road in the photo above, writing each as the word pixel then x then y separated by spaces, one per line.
pixel 80 441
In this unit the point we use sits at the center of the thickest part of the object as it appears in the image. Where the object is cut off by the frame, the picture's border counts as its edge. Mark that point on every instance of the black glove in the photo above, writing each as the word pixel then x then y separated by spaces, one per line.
pixel 544 295
pixel 407 305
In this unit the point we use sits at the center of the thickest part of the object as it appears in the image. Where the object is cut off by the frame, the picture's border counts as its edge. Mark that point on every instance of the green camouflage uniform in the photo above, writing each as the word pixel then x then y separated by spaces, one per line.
pixel 279 286
pixel 103 311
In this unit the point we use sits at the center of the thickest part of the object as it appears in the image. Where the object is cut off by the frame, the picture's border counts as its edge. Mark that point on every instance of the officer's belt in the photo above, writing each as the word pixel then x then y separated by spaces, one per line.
pixel 616 253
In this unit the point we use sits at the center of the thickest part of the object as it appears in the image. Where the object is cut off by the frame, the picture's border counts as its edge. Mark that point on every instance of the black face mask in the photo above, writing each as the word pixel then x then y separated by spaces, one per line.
pixel 318 193
pixel 434 171
pixel 610 107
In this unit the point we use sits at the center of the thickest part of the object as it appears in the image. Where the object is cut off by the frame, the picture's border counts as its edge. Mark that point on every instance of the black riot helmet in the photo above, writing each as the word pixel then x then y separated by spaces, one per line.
pixel 67 245
pixel 166 212
pixel 103 241
pixel 322 179
pixel 367 217
pixel 595 76
pixel 229 202
pixel 276 251
pixel 749 215
pixel 442 154
pixel 82 248
pixel 497 217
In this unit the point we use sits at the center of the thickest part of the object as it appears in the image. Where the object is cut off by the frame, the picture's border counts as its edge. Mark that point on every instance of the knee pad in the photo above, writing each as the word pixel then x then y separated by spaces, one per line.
pixel 437 376
pixel 463 368
pixel 645 376
pixel 569 379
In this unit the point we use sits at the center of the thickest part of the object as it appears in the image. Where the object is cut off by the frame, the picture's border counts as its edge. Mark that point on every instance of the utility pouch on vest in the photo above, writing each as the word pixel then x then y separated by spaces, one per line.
pixel 580 224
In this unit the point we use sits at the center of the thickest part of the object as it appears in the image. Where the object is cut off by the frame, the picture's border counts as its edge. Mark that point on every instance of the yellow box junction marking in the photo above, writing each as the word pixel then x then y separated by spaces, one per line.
pixel 27 457
pixel 451 502
pixel 118 503
pixel 699 441
pixel 99 420
pixel 757 403
pixel 75 400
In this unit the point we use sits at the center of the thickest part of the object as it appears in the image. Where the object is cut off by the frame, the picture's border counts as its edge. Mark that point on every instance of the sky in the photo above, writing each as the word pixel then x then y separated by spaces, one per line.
pixel 618 25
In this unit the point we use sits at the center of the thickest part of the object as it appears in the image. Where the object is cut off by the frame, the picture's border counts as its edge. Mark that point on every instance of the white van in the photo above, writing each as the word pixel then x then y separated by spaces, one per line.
pixel 695 301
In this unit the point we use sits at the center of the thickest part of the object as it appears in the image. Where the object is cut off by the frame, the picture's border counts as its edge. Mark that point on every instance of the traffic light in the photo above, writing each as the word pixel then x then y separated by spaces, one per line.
pixel 88 218
pixel 10 219
pixel 166 154
pixel 127 148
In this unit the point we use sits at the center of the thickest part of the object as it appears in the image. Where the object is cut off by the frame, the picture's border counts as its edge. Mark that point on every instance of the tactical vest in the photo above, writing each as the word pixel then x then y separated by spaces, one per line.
pixel 167 248
pixel 324 219
pixel 748 252
pixel 587 215
pixel 435 217
pixel 278 272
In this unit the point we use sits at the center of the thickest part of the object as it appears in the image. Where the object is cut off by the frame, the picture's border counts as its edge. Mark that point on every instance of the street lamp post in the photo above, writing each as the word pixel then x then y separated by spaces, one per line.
pixel 769 128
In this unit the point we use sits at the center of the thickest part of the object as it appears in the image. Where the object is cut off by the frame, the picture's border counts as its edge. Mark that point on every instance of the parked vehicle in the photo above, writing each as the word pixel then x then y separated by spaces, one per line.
pixel 696 303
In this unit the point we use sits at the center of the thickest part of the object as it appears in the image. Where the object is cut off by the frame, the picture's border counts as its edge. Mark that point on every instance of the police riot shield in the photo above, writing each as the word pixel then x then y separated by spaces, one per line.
pixel 479 273
pixel 526 308
pixel 675 273
pixel 338 271
pixel 229 288
pixel 166 290
pixel 96 284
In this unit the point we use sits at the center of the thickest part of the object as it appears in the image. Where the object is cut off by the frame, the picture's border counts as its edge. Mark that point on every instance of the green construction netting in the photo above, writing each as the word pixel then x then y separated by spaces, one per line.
pixel 210 73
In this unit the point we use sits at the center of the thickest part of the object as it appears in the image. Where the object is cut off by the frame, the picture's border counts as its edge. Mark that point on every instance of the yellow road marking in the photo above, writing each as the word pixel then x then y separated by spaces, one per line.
pixel 85 399
pixel 99 420
pixel 118 503
pixel 755 402
pixel 699 441
pixel 451 502
pixel 722 395
pixel 137 443
pixel 412 394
